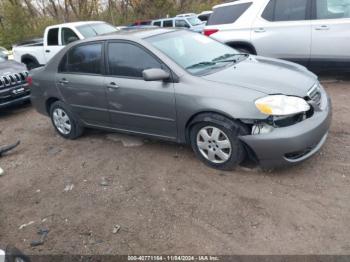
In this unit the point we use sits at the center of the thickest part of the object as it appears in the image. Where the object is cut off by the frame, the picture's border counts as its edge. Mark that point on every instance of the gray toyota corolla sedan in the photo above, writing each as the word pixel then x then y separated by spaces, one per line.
pixel 184 87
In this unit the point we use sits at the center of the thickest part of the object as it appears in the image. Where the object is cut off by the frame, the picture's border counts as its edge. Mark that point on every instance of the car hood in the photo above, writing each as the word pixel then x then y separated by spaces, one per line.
pixel 11 67
pixel 267 75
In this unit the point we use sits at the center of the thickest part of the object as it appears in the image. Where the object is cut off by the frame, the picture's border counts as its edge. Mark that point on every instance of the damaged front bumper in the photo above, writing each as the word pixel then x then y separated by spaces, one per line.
pixel 293 144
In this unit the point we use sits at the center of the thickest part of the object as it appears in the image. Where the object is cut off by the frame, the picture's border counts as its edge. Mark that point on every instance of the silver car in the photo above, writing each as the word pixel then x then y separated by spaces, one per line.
pixel 185 87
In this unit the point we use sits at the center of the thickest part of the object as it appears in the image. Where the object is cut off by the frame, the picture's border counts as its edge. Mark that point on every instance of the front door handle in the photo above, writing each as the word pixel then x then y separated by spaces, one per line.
pixel 322 27
pixel 112 85
pixel 47 51
pixel 260 30
pixel 63 81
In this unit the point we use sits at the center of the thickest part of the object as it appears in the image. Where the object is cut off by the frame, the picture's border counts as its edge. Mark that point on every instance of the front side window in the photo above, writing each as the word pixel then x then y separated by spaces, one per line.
pixel 228 14
pixel 194 52
pixel 332 9
pixel 168 23
pixel 68 36
pixel 128 60
pixel 286 10
pixel 86 59
pixel 181 23
pixel 52 37
pixel 158 23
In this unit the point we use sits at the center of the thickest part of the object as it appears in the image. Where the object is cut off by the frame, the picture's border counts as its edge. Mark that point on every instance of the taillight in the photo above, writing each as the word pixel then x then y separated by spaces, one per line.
pixel 29 80
pixel 209 32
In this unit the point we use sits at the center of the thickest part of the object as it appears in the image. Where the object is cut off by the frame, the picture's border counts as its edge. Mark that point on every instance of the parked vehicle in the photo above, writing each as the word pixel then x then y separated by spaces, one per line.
pixel 190 22
pixel 39 52
pixel 4 53
pixel 204 16
pixel 184 87
pixel 309 32
pixel 13 83
pixel 142 23
pixel 186 15
pixel 12 254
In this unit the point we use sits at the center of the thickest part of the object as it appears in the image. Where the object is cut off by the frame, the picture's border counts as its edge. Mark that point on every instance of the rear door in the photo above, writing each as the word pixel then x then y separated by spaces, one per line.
pixel 52 43
pixel 283 30
pixel 331 33
pixel 134 104
pixel 81 82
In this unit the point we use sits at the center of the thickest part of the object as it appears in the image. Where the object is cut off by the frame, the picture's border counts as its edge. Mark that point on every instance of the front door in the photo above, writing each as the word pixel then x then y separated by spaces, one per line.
pixel 134 104
pixel 81 82
pixel 331 34
pixel 283 30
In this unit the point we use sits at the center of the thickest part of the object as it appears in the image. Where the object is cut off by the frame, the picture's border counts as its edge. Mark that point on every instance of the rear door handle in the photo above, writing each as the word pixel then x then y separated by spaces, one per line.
pixel 260 30
pixel 112 85
pixel 47 51
pixel 322 27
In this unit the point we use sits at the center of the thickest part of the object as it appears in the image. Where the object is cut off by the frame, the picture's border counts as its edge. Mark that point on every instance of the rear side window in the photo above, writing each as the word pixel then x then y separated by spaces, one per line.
pixel 286 10
pixel 128 60
pixel 168 23
pixel 86 59
pixel 228 14
pixel 332 9
pixel 158 23
pixel 52 37
pixel 181 23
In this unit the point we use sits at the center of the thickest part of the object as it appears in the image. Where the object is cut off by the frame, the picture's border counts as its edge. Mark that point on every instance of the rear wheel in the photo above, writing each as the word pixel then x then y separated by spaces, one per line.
pixel 64 122
pixel 31 64
pixel 218 145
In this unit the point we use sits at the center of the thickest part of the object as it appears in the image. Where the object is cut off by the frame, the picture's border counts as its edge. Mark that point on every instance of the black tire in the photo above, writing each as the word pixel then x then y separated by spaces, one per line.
pixel 31 64
pixel 232 130
pixel 76 129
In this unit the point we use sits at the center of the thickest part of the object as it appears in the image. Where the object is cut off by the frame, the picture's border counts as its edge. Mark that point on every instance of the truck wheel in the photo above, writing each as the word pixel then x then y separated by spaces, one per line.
pixel 218 145
pixel 64 122
pixel 31 64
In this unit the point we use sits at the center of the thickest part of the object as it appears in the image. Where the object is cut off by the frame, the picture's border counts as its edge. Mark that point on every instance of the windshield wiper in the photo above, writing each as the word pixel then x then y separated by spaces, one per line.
pixel 225 58
pixel 201 64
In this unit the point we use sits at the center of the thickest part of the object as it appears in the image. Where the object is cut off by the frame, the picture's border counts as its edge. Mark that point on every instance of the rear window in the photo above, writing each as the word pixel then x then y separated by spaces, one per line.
pixel 91 30
pixel 286 10
pixel 228 14
pixel 168 23
pixel 52 37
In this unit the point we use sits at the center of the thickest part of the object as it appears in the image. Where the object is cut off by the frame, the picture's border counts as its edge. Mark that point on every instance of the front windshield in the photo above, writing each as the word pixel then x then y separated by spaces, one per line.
pixel 194 52
pixel 91 30
pixel 194 21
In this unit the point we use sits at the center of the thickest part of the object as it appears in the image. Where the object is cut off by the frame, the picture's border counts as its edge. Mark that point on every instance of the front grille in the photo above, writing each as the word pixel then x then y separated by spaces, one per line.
pixel 315 94
pixel 13 79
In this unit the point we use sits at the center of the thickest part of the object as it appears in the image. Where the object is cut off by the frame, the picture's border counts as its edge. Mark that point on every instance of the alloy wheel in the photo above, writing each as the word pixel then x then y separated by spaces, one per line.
pixel 214 144
pixel 62 121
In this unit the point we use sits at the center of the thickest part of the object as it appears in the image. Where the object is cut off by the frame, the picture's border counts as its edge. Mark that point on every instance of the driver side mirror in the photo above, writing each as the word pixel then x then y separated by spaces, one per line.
pixel 72 39
pixel 155 74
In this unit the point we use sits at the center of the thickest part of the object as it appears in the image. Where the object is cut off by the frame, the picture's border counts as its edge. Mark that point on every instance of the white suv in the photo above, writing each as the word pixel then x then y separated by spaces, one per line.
pixel 315 33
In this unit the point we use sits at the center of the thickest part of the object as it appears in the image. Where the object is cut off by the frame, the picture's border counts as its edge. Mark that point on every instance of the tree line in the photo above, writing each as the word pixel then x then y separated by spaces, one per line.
pixel 24 19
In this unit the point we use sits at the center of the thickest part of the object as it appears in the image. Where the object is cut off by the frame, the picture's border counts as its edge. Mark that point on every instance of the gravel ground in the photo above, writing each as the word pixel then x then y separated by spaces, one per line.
pixel 111 194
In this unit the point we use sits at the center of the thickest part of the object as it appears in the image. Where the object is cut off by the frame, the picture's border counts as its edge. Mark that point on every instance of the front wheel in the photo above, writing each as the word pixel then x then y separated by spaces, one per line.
pixel 64 121
pixel 218 146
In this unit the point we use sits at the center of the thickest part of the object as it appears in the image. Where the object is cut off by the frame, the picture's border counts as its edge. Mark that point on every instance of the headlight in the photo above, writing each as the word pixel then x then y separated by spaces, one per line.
pixel 281 105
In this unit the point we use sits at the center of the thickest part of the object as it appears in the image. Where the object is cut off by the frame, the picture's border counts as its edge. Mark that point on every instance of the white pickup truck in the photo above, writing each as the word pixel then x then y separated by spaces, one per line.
pixel 38 52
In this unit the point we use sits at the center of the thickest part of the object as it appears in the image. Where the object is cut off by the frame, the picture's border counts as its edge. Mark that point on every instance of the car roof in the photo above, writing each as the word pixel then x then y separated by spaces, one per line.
pixel 139 33
pixel 234 3
pixel 75 24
